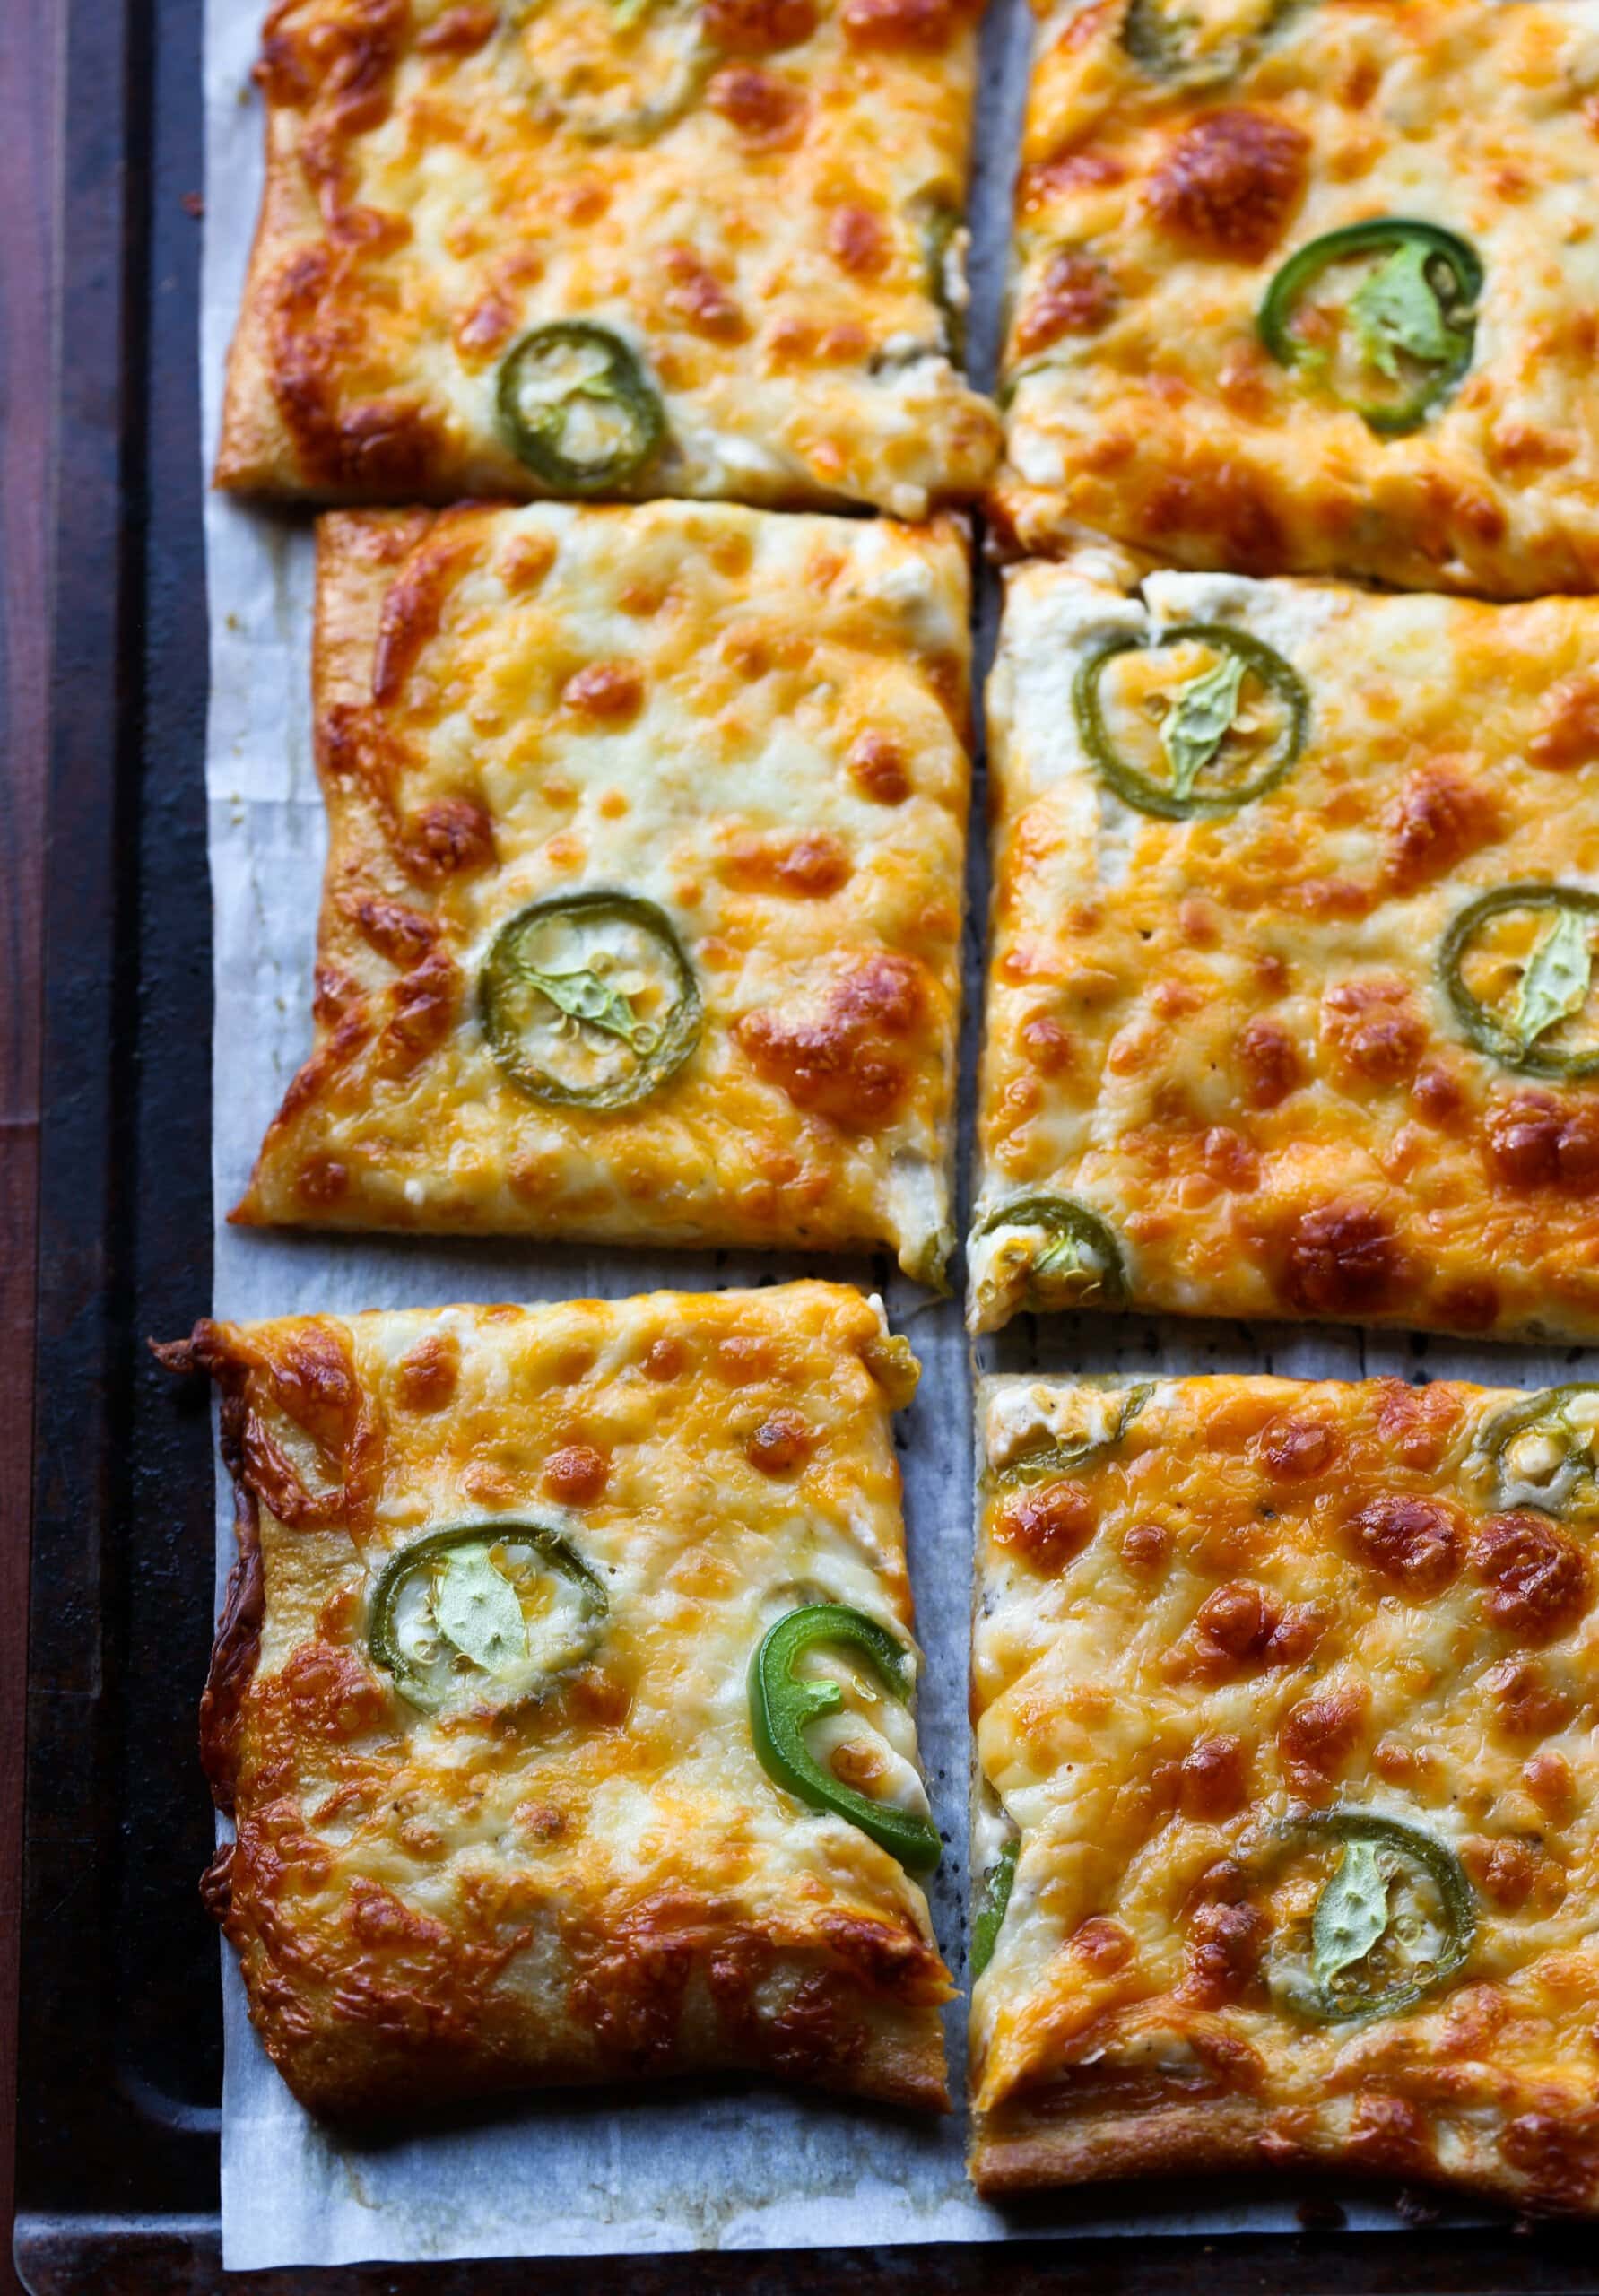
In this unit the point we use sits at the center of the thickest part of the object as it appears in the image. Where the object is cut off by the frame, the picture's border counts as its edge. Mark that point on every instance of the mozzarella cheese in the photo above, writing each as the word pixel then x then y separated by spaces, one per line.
pixel 1264 1601
pixel 1230 1036
pixel 604 1881
pixel 756 196
pixel 755 722
pixel 1151 216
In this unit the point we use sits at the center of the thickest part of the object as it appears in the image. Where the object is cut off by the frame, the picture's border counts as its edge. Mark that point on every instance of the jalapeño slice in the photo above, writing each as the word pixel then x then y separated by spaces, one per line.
pixel 1231 727
pixel 1198 43
pixel 942 242
pixel 1070 1454
pixel 589 1000
pixel 576 406
pixel 483 1615
pixel 1393 1921
pixel 782 1704
pixel 1517 966
pixel 997 1884
pixel 1545 1452
pixel 1383 312
pixel 1080 1264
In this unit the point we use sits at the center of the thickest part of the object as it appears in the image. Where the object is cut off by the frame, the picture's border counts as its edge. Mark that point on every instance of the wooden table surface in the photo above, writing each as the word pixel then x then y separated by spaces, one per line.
pixel 28 88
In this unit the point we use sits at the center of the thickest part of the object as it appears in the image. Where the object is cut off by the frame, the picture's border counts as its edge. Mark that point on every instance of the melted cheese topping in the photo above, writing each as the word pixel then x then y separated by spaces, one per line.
pixel 755 194
pixel 1229 1036
pixel 1268 1598
pixel 605 1881
pixel 753 721
pixel 1151 218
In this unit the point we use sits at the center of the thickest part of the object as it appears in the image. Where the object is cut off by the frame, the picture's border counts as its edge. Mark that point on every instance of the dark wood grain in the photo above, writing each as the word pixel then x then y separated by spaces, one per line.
pixel 29 87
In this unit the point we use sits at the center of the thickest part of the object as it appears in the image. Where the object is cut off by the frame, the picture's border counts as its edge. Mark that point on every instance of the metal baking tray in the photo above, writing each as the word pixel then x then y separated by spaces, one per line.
pixel 119 2051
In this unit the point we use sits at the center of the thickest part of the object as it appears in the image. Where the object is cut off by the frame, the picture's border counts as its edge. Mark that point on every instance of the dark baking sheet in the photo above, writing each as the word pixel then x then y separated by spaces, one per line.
pixel 120 2013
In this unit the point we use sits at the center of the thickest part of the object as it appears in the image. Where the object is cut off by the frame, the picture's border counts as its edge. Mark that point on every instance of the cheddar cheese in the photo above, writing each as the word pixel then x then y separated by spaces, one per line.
pixel 1285 1697
pixel 480 1704
pixel 1311 288
pixel 1291 1008
pixel 642 910
pixel 617 247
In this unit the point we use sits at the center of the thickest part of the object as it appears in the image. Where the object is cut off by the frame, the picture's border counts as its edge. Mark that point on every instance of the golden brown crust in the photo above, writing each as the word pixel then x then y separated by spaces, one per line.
pixel 1281 1603
pixel 816 670
pixel 761 248
pixel 602 1884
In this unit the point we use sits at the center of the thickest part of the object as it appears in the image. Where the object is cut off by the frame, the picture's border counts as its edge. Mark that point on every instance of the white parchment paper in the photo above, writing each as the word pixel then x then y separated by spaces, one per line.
pixel 739 2167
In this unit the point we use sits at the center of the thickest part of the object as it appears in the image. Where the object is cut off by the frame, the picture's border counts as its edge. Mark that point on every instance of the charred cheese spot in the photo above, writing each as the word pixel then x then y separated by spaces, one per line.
pixel 695 294
pixel 878 768
pixel 1534 1139
pixel 812 865
pixel 1292 1449
pixel 1339 1259
pixel 1269 1061
pixel 451 838
pixel 1373 1030
pixel 781 1444
pixel 425 1377
pixel 1537 1580
pixel 1526 1704
pixel 1102 1945
pixel 1048 1526
pixel 1229 182
pixel 857 239
pixel 1438 819
pixel 1567 735
pixel 1318 1736
pixel 577 1474
pixel 900 24
pixel 1075 296
pixel 1240 1627
pixel 1417 1424
pixel 403 935
pixel 1223 1953
pixel 767 110
pixel 1417 1544
pixel 1215 1781
pixel 613 692
pixel 848 1062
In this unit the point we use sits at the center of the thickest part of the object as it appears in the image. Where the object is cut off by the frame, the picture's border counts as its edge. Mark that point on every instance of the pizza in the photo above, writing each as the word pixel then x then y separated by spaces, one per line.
pixel 1292 1008
pixel 642 911
pixel 562 1698
pixel 1285 1807
pixel 610 248
pixel 1311 288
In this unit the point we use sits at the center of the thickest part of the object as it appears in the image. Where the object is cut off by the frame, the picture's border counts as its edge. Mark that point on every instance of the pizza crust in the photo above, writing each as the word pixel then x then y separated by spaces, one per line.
pixel 1228 1038
pixel 1152 217
pixel 764 254
pixel 757 724
pixel 1238 1613
pixel 606 1885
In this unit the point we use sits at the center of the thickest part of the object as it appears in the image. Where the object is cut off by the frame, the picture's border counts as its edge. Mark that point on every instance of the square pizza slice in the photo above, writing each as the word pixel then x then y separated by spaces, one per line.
pixel 643 903
pixel 707 248
pixel 1285 1805
pixel 562 1698
pixel 1312 288
pixel 1291 1005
